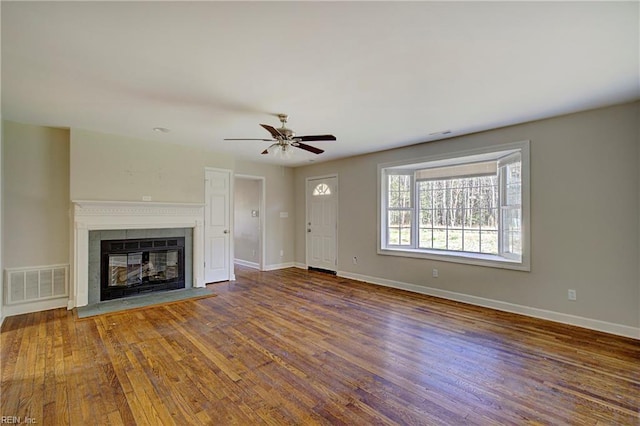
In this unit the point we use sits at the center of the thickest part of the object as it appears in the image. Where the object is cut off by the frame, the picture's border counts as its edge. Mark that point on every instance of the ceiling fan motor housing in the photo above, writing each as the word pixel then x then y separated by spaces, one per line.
pixel 286 132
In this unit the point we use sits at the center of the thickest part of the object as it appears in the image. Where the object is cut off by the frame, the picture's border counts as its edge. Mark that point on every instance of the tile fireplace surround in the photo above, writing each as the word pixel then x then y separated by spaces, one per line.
pixel 118 215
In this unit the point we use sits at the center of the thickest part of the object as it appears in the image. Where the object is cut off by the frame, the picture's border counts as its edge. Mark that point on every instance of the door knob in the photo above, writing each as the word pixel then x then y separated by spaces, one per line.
pixel 308 229
pixel 226 231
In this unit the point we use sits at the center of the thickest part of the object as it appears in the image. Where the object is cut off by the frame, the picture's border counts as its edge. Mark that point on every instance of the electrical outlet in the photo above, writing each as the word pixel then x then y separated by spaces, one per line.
pixel 355 260
pixel 571 294
pixel 146 198
pixel 281 253
pixel 434 273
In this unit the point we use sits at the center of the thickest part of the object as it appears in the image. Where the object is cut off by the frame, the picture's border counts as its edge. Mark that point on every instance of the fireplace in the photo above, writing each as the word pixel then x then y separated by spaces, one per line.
pixel 125 217
pixel 134 266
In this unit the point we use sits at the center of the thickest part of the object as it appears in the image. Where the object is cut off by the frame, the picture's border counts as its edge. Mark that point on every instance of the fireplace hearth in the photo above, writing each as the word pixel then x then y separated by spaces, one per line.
pixel 133 266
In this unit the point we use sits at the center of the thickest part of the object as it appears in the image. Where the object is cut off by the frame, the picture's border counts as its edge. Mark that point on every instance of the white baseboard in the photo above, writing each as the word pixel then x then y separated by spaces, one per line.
pixel 275 266
pixel 247 263
pixel 300 265
pixel 592 324
pixel 27 308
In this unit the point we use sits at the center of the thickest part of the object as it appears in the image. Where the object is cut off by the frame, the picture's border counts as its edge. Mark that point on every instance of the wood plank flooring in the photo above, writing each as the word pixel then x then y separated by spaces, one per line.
pixel 299 347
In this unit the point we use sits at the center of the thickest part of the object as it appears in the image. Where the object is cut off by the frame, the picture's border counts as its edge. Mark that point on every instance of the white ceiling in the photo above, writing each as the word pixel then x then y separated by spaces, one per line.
pixel 377 75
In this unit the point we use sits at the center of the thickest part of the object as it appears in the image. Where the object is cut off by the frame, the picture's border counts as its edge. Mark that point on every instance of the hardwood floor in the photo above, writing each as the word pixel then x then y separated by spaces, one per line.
pixel 299 347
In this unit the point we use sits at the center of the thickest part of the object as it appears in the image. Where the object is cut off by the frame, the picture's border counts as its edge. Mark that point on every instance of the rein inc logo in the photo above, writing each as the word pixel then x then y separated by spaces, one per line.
pixel 17 420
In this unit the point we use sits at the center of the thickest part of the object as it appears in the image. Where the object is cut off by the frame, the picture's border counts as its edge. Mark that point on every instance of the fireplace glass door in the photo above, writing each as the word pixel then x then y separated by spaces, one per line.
pixel 125 269
pixel 162 265
pixel 134 266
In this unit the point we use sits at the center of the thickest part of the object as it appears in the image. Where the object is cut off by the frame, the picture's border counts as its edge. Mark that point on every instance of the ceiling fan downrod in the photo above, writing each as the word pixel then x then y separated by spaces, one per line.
pixel 286 132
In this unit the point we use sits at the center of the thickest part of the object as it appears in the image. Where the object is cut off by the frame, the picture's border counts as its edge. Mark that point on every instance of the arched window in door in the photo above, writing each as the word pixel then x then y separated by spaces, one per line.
pixel 321 189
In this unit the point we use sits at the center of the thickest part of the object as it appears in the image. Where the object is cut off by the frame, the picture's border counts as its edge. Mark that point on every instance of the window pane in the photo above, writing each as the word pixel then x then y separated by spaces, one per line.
pixel 512 194
pixel 426 218
pixel 394 218
pixel 454 239
pixel 488 192
pixel 440 238
pixel 425 195
pixel 489 219
pixel 474 217
pixel 393 225
pixel 426 238
pixel 405 236
pixel 472 241
pixel 489 242
pixel 399 227
pixel 511 232
pixel 393 236
pixel 399 191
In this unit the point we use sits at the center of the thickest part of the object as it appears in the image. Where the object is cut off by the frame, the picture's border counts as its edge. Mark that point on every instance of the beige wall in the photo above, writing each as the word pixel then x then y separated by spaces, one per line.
pixel 637 119
pixel 110 167
pixel 279 197
pixel 116 168
pixel 36 195
pixel 584 218
pixel 1 221
pixel 246 235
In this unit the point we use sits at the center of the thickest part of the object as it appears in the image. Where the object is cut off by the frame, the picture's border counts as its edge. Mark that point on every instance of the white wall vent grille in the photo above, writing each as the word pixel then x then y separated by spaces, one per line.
pixel 36 284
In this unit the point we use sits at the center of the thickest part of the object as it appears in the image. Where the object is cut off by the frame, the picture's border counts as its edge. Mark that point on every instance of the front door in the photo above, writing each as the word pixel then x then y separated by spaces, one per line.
pixel 217 225
pixel 322 223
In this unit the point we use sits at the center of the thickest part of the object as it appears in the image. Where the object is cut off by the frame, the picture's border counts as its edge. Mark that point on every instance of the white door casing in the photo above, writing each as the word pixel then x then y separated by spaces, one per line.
pixel 217 223
pixel 322 222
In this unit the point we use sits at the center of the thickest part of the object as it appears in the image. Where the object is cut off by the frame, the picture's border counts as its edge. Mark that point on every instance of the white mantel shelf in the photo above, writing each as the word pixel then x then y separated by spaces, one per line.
pixel 123 208
pixel 134 203
pixel 90 215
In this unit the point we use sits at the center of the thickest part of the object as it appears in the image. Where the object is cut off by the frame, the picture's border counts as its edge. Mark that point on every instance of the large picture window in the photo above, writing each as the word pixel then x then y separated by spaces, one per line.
pixel 469 207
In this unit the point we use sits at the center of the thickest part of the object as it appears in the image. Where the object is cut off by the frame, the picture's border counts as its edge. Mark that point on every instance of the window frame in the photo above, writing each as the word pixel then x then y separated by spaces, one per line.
pixel 409 166
pixel 410 209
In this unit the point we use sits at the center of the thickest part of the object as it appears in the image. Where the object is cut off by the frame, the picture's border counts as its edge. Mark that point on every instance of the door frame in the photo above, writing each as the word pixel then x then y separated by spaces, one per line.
pixel 232 275
pixel 261 213
pixel 307 212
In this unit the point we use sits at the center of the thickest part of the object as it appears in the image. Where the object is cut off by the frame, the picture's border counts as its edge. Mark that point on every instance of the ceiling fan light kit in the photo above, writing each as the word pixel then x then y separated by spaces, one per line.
pixel 285 138
pixel 283 151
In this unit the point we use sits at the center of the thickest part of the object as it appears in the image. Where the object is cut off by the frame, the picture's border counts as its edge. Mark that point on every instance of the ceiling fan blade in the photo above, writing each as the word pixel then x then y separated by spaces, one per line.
pixel 274 132
pixel 247 139
pixel 308 148
pixel 316 138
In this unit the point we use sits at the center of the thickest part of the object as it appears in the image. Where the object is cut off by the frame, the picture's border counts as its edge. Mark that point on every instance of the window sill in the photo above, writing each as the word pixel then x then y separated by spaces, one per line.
pixel 477 259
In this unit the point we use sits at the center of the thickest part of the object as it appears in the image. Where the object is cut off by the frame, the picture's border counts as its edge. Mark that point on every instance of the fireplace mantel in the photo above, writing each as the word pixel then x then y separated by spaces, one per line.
pixel 91 215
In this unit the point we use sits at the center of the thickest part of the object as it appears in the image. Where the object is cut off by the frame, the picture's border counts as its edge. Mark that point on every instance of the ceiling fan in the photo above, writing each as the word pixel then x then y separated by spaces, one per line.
pixel 284 138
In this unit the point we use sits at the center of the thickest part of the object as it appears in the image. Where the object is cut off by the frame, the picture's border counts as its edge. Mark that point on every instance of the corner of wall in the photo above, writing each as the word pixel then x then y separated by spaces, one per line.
pixel 638 146
pixel 1 224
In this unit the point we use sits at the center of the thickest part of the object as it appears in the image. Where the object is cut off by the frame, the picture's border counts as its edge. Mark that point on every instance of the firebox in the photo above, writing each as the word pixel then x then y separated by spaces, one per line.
pixel 134 266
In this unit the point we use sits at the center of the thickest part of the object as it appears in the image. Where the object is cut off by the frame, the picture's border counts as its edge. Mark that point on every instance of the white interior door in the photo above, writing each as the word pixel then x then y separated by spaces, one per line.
pixel 322 223
pixel 217 226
